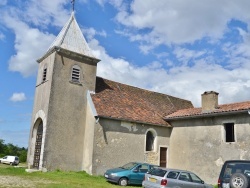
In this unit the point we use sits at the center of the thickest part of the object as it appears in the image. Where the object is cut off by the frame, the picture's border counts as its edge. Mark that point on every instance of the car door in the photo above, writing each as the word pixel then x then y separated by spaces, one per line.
pixel 185 181
pixel 138 173
pixel 5 159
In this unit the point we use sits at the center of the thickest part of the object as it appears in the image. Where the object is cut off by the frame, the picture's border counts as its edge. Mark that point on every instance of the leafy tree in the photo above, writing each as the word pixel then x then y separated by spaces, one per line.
pixel 10 149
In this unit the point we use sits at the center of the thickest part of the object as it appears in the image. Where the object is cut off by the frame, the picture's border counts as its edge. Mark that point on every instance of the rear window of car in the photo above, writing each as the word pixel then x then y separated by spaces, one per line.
pixel 158 172
pixel 232 168
pixel 173 175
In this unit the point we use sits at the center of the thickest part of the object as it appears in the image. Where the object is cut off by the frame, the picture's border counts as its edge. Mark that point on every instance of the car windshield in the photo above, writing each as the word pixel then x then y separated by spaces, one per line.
pixel 158 172
pixel 129 166
pixel 232 168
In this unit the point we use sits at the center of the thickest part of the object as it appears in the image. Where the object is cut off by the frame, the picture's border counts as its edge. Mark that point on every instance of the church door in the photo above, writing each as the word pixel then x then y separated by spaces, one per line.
pixel 38 145
pixel 163 157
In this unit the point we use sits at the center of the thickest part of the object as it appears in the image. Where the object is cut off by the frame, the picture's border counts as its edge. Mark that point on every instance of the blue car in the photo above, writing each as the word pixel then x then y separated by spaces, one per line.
pixel 131 173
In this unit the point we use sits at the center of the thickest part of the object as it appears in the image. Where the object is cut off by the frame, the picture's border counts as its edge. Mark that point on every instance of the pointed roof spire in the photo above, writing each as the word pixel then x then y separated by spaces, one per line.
pixel 72 39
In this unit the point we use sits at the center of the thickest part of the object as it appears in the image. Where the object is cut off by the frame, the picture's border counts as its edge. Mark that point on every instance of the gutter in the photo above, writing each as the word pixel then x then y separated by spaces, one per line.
pixel 206 115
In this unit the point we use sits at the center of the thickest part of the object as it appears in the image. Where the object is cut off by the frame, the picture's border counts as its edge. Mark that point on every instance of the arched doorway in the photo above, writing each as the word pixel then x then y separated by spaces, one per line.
pixel 38 144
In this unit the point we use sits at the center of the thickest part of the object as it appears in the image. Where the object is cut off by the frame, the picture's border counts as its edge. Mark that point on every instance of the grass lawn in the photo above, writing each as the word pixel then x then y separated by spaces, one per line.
pixel 11 176
pixel 17 177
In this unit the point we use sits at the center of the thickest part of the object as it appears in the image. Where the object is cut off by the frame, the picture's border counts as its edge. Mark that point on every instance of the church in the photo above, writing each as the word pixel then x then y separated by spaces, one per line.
pixel 82 122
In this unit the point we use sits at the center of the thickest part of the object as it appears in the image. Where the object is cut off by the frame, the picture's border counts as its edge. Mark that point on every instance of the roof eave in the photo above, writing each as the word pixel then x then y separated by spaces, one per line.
pixel 69 53
pixel 134 121
pixel 205 115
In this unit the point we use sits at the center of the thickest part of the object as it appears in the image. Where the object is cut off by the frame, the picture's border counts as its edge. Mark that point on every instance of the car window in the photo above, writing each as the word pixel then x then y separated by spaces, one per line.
pixel 184 177
pixel 195 178
pixel 173 174
pixel 143 168
pixel 232 168
pixel 158 172
pixel 129 166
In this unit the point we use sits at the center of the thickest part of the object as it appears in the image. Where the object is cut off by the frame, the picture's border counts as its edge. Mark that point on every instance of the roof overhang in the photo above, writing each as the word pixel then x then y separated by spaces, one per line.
pixel 134 121
pixel 68 53
pixel 206 115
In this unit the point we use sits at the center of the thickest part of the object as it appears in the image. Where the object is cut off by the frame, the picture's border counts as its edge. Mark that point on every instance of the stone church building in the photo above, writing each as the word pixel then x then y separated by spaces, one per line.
pixel 84 122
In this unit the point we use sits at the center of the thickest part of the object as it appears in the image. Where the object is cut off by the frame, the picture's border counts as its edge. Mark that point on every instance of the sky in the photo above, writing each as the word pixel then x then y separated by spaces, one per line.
pixel 178 47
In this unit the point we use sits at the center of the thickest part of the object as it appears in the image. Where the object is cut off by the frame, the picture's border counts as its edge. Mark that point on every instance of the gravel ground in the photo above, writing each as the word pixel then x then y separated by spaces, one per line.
pixel 11 181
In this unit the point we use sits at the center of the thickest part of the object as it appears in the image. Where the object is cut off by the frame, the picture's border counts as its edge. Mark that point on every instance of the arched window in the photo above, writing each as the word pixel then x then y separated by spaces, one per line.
pixel 44 73
pixel 75 73
pixel 150 141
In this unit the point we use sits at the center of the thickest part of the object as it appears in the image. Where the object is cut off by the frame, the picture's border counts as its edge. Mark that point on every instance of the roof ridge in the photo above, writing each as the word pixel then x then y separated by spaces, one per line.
pixel 147 90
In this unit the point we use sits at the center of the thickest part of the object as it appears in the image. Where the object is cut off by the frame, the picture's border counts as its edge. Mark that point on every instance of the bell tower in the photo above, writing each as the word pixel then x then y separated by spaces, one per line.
pixel 66 73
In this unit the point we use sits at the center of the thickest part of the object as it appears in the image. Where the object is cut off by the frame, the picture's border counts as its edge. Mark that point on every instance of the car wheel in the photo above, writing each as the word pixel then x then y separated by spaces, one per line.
pixel 123 182
pixel 11 164
pixel 238 180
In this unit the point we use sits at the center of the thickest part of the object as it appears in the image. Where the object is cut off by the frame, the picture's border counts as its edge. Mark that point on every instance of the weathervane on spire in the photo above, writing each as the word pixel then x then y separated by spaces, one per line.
pixel 73 5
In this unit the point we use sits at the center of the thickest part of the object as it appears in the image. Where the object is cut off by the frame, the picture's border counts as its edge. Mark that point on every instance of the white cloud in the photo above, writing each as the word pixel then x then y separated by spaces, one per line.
pixel 28 45
pixel 91 33
pixel 183 21
pixel 46 12
pixel 181 81
pixel 18 97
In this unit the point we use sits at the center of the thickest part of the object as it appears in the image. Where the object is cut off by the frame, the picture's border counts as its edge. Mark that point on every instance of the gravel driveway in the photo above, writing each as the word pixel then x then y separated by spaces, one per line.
pixel 12 181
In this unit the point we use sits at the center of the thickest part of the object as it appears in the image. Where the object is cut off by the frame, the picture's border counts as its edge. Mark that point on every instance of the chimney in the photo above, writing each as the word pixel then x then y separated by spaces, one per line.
pixel 209 101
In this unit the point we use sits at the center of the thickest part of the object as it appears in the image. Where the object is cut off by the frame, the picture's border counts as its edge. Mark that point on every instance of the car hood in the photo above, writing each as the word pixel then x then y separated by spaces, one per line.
pixel 115 170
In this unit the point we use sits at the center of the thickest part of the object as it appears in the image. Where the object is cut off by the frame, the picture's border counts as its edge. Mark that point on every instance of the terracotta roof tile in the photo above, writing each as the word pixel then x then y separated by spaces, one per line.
pixel 225 108
pixel 120 101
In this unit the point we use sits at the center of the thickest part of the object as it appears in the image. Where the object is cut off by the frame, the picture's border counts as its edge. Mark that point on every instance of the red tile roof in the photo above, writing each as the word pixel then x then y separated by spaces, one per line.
pixel 222 109
pixel 124 102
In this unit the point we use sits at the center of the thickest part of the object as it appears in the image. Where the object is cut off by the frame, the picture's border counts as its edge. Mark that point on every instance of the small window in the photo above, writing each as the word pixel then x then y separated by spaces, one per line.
pixel 184 177
pixel 229 132
pixel 75 75
pixel 173 175
pixel 150 141
pixel 44 74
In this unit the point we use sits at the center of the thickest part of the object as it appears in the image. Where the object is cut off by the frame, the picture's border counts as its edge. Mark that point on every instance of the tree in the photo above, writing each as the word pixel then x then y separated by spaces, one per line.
pixel 10 149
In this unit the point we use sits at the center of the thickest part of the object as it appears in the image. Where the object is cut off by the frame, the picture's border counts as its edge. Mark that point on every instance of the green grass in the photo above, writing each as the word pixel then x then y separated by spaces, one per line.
pixel 56 179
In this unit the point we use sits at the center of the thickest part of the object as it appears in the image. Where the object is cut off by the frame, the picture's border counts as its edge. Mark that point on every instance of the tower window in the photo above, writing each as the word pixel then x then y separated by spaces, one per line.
pixel 44 74
pixel 229 132
pixel 75 74
pixel 150 141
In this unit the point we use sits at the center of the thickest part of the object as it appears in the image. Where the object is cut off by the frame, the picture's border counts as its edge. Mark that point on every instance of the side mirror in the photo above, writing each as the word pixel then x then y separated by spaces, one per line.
pixel 202 182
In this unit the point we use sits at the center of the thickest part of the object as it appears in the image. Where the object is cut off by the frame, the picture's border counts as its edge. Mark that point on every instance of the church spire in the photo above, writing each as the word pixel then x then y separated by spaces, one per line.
pixel 71 39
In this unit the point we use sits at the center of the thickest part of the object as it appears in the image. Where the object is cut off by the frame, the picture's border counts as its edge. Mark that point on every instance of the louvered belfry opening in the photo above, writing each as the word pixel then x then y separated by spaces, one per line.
pixel 75 74
pixel 38 145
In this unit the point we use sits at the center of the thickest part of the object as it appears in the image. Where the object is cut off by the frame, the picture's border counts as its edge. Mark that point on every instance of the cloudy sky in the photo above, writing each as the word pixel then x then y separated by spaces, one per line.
pixel 178 47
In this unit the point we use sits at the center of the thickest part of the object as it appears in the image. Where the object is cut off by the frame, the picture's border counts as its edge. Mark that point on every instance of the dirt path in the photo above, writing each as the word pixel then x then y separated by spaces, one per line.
pixel 11 181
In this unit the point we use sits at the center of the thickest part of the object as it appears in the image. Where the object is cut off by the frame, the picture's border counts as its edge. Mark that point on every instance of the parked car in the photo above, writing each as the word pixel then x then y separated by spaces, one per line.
pixel 11 160
pixel 131 173
pixel 235 174
pixel 171 178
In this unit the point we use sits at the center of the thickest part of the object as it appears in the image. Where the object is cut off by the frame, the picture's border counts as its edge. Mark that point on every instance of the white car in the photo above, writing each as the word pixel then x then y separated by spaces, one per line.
pixel 11 160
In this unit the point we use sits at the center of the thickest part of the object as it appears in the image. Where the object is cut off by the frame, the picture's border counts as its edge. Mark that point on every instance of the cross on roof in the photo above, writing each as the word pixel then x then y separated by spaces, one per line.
pixel 73 4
